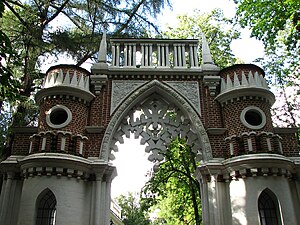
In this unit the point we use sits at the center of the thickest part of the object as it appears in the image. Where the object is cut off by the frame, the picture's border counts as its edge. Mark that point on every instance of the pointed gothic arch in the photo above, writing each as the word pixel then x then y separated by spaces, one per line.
pixel 163 92
pixel 268 208
pixel 46 208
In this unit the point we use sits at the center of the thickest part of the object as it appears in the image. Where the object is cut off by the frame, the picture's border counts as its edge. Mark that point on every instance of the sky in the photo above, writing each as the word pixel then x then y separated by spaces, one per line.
pixel 246 48
pixel 131 160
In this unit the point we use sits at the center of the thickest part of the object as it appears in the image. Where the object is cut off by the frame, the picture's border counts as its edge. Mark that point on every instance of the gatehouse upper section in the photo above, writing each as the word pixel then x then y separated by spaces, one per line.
pixel 153 56
pixel 222 113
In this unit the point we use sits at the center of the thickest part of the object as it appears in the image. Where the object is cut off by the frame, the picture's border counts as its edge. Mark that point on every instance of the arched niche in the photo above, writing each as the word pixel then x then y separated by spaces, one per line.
pixel 45 208
pixel 269 208
pixel 189 124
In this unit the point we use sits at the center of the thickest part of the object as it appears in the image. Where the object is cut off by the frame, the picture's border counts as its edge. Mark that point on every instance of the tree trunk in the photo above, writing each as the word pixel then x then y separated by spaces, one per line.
pixel 194 200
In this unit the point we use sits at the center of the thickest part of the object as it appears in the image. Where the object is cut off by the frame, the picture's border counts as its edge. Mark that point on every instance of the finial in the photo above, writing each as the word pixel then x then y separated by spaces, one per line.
pixel 103 49
pixel 206 56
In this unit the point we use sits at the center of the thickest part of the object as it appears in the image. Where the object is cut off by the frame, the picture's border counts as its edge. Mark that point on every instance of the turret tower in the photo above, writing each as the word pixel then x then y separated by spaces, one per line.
pixel 64 103
pixel 246 101
pixel 255 172
pixel 62 180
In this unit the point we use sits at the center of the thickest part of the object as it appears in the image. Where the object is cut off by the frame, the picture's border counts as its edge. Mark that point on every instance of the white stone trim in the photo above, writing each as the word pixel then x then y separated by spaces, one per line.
pixel 56 126
pixel 43 144
pixel 253 108
pixel 63 90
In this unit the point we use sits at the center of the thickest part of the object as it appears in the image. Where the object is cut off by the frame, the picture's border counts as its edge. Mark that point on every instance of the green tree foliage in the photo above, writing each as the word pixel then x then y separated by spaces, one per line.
pixel 172 189
pixel 268 18
pixel 218 30
pixel 38 29
pixel 8 85
pixel 133 210
pixel 283 71
pixel 277 24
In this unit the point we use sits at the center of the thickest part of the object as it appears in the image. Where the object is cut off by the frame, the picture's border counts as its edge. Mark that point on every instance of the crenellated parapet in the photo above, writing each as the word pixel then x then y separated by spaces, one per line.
pixel 73 78
pixel 244 84
pixel 66 80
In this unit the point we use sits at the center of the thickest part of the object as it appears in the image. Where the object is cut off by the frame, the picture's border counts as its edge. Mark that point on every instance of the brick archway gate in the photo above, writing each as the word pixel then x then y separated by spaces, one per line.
pixel 157 76
pixel 225 114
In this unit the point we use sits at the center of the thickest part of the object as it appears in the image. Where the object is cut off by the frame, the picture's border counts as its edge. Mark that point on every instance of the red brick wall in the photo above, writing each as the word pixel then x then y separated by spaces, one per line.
pixel 92 146
pixel 79 115
pixel 213 115
pixel 21 143
pixel 232 112
pixel 211 109
pixel 290 145
pixel 218 146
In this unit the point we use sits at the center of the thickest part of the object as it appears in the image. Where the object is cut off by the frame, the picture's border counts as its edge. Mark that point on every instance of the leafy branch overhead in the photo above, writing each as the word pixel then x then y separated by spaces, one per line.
pixel 38 31
pixel 267 19
pixel 218 30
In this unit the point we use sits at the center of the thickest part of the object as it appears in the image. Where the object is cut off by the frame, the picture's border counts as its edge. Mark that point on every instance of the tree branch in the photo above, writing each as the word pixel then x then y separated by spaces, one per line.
pixel 58 10
pixel 132 14
pixel 15 13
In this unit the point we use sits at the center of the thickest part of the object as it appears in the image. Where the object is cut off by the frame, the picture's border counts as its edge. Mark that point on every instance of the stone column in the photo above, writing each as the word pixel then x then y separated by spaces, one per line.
pixel 97 200
pixel 118 55
pixel 2 194
pixel 175 56
pixel 126 55
pixel 6 199
pixel 183 62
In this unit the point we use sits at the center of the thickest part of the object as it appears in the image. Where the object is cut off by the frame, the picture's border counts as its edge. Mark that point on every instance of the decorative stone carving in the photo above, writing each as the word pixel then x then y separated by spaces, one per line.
pixel 212 82
pixel 158 124
pixel 98 81
pixel 122 111
pixel 190 90
pixel 121 89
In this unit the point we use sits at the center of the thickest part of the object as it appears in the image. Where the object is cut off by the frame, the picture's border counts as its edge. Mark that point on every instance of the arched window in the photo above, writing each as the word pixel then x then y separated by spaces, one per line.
pixel 268 208
pixel 46 208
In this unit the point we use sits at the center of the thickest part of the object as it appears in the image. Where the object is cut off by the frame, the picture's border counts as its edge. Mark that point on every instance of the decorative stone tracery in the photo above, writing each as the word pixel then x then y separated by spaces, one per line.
pixel 158 123
pixel 157 133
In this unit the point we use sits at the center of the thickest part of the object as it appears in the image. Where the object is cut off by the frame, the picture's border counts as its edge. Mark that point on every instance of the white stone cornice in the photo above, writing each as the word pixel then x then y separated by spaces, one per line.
pixel 212 82
pixel 253 86
pixel 258 161
pixel 263 164
pixel 216 131
pixel 29 130
pixel 279 130
pixel 94 129
pixel 241 92
pixel 57 164
pixel 62 90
